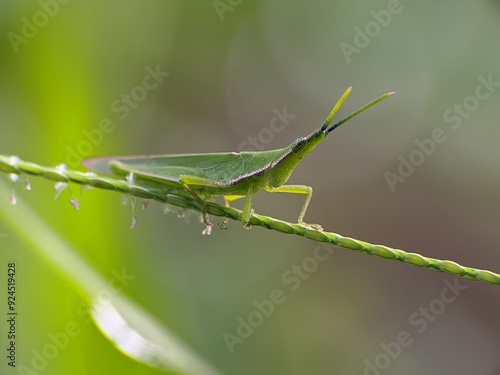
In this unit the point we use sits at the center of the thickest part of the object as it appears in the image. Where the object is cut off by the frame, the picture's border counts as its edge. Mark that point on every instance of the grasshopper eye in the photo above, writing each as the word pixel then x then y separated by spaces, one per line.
pixel 298 144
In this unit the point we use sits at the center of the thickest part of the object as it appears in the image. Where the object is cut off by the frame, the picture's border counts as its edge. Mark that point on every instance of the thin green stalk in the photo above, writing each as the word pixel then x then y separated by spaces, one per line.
pixel 10 164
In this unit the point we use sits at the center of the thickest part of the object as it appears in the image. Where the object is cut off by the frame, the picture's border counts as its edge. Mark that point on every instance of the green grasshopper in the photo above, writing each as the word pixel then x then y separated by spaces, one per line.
pixel 233 175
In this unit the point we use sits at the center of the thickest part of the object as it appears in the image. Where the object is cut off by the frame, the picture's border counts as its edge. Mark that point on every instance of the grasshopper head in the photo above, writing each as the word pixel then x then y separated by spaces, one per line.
pixel 301 147
pixel 304 145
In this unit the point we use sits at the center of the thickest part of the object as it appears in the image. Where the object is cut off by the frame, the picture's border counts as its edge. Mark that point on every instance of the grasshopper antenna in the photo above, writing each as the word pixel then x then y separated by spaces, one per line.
pixel 344 96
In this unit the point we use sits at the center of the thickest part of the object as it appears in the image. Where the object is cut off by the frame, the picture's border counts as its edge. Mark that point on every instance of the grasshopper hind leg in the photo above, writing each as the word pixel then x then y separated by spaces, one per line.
pixel 204 213
pixel 186 181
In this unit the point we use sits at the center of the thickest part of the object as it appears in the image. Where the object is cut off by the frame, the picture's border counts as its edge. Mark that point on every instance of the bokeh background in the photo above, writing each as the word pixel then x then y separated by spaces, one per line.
pixel 232 66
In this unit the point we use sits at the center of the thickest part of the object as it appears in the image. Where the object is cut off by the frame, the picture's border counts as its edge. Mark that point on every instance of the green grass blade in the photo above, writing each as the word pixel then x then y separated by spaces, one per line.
pixel 134 331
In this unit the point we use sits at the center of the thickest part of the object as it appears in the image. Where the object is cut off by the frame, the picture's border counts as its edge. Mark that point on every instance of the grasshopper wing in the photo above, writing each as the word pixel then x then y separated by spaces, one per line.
pixel 224 169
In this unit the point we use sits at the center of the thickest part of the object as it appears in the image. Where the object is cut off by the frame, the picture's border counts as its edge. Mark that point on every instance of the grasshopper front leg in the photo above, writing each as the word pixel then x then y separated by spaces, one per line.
pixel 297 189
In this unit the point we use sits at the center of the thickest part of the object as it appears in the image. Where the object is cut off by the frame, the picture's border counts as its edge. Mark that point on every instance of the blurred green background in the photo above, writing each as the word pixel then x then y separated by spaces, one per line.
pixel 232 66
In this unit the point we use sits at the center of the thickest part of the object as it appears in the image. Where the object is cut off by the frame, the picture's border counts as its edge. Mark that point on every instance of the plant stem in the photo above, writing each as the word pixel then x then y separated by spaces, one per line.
pixel 14 165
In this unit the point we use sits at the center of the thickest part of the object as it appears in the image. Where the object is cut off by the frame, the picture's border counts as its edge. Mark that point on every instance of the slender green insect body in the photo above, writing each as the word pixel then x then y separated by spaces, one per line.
pixel 231 175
